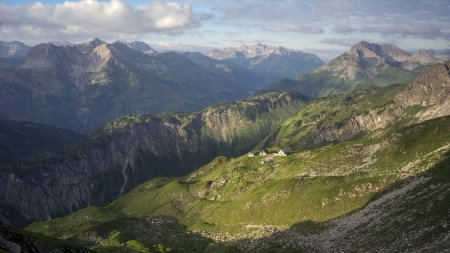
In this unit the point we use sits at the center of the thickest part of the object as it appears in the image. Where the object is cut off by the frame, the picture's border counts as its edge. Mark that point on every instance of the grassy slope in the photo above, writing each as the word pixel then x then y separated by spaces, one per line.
pixel 238 198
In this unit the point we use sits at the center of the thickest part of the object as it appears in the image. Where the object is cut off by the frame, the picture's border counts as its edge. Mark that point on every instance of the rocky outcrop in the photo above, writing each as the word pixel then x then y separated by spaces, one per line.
pixel 133 149
pixel 431 89
pixel 357 124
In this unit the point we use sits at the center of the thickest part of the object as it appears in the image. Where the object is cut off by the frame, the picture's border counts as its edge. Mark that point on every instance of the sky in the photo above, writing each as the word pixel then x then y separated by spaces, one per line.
pixel 326 28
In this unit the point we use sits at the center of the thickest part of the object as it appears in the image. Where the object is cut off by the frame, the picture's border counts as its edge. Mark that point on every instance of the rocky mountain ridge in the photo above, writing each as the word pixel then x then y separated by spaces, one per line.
pixel 248 51
pixel 140 46
pixel 270 62
pixel 85 86
pixel 366 59
pixel 364 65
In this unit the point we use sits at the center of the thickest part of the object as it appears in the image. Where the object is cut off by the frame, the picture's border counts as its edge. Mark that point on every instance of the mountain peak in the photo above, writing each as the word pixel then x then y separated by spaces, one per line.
pixel 363 44
pixel 97 41
pixel 366 59
pixel 138 45
pixel 248 51
pixel 90 45
pixel 384 50
pixel 48 56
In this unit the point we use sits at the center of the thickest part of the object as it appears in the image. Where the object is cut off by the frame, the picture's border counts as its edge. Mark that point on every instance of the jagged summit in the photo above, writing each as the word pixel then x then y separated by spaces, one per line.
pixel 88 46
pixel 388 51
pixel 138 45
pixel 272 63
pixel 249 51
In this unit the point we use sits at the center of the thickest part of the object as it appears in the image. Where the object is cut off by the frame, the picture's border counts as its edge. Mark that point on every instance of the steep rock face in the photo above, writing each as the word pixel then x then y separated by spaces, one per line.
pixel 350 128
pixel 133 149
pixel 432 87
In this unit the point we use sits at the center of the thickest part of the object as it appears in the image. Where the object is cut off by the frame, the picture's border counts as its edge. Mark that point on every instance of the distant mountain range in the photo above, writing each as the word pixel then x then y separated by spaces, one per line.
pixel 364 65
pixel 84 86
pixel 268 62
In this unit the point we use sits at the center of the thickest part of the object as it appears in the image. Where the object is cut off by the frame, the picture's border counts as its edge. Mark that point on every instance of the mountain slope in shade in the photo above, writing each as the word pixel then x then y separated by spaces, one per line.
pixel 364 65
pixel 128 151
pixel 86 86
pixel 378 183
pixel 234 73
pixel 15 240
pixel 268 62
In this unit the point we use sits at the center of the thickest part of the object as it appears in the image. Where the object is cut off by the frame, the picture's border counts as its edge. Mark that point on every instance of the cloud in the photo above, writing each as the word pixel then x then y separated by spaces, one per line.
pixel 163 46
pixel 296 28
pixel 92 18
pixel 344 42
pixel 423 30
pixel 342 28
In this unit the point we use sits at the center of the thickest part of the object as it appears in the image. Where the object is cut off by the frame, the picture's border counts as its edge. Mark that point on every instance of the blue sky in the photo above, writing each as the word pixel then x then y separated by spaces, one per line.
pixel 327 27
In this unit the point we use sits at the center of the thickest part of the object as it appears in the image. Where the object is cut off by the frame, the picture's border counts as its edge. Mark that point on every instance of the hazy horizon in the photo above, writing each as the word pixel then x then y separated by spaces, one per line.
pixel 326 28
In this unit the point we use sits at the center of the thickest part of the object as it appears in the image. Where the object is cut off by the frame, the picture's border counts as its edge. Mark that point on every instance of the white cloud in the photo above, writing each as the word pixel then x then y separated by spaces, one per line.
pixel 92 18
pixel 423 30
pixel 343 42
pixel 296 28
pixel 342 28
